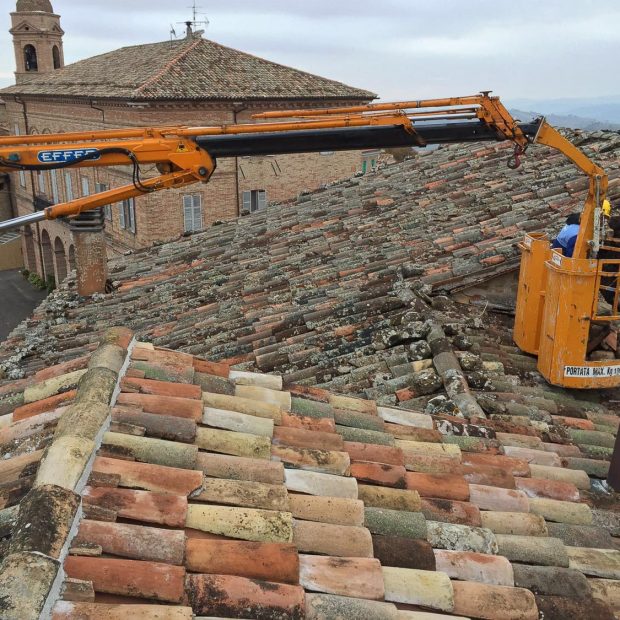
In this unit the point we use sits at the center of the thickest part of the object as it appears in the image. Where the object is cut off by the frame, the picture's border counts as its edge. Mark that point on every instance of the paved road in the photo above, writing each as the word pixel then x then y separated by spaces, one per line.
pixel 18 298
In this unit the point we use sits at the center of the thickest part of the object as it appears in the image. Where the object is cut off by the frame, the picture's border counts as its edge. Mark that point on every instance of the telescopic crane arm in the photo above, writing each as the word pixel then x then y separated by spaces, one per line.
pixel 186 155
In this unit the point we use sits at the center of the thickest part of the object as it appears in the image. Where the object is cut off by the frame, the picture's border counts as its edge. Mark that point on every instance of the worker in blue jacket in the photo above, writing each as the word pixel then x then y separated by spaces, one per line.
pixel 567 237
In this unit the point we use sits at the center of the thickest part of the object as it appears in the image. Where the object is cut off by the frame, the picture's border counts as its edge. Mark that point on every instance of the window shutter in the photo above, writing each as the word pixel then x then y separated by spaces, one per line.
pixel 187 214
pixel 69 186
pixel 197 212
pixel 132 215
pixel 122 214
pixel 107 209
pixel 85 187
pixel 247 201
pixel 54 184
pixel 22 174
pixel 262 199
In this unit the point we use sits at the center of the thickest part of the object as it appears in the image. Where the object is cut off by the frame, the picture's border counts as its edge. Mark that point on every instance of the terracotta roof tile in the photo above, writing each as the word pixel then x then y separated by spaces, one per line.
pixel 423 542
pixel 146 580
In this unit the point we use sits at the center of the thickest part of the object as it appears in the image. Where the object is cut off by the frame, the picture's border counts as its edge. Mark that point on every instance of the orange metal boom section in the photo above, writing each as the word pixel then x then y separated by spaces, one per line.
pixel 177 156
pixel 181 162
pixel 597 189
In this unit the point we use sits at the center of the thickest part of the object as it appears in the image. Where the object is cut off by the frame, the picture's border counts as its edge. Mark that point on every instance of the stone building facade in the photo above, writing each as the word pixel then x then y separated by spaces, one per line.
pixel 191 82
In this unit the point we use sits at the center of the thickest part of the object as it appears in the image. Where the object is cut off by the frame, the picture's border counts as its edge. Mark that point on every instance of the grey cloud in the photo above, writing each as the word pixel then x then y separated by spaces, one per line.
pixel 398 48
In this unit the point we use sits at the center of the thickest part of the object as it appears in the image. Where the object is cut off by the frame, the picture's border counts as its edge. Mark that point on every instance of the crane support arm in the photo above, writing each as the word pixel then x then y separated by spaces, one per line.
pixel 597 189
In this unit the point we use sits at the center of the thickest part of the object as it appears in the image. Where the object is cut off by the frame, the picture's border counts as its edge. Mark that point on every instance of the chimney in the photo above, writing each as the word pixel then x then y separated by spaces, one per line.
pixel 90 252
pixel 188 31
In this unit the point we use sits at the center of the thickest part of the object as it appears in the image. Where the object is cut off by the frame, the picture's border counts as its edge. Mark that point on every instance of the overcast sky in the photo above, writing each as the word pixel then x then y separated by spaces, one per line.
pixel 397 48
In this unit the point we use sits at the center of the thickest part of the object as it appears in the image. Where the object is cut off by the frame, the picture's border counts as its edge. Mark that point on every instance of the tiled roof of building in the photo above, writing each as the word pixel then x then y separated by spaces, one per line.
pixel 191 68
pixel 156 484
pixel 402 456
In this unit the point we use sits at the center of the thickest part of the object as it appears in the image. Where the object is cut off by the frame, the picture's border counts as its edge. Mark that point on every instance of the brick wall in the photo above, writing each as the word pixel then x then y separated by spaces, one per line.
pixel 285 176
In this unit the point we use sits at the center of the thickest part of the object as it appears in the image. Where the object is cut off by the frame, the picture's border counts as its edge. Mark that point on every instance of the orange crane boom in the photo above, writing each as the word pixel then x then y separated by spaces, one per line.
pixel 187 155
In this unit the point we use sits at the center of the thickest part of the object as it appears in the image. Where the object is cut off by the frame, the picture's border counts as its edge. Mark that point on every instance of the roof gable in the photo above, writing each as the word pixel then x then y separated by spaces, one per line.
pixel 25 27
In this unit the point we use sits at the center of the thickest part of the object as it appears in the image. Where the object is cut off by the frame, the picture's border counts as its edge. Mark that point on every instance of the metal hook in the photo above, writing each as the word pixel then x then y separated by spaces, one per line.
pixel 514 161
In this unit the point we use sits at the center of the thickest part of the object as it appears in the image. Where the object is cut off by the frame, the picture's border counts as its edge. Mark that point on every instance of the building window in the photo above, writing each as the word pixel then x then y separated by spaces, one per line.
pixel 369 163
pixel 107 209
pixel 254 200
pixel 326 153
pixel 56 57
pixel 69 186
pixel 41 182
pixel 370 159
pixel 85 187
pixel 30 58
pixel 128 215
pixel 54 186
pixel 192 212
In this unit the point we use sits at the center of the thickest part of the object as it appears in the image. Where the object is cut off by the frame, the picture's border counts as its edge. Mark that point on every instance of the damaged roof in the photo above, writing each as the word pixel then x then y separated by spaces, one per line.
pixel 191 68
pixel 314 289
pixel 402 456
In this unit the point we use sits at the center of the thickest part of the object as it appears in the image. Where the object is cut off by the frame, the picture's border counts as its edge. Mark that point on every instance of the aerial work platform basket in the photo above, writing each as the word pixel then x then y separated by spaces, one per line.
pixel 558 302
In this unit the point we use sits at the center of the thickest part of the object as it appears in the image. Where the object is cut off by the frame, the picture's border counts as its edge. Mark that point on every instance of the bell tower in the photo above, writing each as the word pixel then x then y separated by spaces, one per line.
pixel 37 39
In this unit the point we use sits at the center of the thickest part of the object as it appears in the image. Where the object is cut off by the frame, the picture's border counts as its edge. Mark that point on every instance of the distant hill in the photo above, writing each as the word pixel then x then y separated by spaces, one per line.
pixel 605 110
pixel 571 121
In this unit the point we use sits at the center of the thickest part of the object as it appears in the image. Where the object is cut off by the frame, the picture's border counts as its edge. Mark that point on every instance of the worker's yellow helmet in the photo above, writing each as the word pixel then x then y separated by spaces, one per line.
pixel 606 208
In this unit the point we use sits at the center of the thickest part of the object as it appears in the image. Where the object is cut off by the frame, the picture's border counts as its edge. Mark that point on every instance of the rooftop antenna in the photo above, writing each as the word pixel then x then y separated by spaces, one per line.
pixel 196 21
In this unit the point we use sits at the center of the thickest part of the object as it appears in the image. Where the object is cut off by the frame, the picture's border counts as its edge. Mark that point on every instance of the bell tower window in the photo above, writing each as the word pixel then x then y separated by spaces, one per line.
pixel 30 58
pixel 56 56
